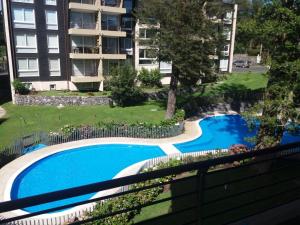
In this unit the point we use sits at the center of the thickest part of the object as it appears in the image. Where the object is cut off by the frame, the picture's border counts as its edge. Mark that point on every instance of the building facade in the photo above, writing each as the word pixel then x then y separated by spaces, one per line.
pixel 73 44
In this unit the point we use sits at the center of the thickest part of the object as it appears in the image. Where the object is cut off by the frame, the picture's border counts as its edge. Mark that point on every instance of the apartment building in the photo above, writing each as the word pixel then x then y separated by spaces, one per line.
pixel 73 44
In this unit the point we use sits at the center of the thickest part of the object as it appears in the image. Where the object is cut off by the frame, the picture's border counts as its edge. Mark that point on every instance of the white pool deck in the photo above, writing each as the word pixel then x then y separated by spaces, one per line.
pixel 9 172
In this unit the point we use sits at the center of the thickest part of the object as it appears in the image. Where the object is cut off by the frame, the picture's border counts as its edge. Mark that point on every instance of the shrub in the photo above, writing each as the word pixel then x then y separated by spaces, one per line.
pixel 19 87
pixel 150 78
pixel 178 117
pixel 123 87
pixel 297 94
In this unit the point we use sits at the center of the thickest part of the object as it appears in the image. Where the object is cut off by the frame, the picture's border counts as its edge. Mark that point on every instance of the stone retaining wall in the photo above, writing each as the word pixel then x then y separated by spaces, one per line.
pixel 61 100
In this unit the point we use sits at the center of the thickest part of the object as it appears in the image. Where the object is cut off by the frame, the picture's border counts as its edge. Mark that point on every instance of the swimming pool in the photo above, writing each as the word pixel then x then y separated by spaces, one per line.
pixel 220 132
pixel 81 166
pixel 94 163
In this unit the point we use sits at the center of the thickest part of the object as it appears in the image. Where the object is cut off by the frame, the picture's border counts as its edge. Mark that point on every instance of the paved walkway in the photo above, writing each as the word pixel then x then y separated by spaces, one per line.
pixel 2 112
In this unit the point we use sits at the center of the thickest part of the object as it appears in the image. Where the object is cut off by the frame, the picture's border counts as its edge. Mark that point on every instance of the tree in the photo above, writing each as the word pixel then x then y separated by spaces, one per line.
pixel 278 26
pixel 123 86
pixel 186 37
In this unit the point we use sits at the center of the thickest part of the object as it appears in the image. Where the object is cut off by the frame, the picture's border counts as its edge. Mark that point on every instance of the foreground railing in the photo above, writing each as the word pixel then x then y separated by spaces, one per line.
pixel 210 192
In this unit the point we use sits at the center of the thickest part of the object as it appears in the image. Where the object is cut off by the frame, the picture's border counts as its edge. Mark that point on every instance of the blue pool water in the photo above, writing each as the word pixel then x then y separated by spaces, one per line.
pixel 81 166
pixel 221 132
pixel 97 163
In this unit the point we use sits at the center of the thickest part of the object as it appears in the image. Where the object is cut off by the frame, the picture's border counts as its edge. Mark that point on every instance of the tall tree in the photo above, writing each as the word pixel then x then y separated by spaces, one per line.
pixel 186 37
pixel 278 27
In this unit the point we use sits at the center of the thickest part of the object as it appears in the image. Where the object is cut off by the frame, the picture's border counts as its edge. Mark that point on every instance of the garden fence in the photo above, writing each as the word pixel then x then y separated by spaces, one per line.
pixel 29 143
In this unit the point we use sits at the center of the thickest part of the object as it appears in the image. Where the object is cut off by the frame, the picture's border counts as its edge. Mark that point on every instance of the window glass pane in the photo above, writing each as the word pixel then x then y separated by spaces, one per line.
pixel 20 40
pixel 50 2
pixel 25 1
pixel 32 64
pixel 28 15
pixel 22 64
pixel 53 43
pixel 31 40
pixel 77 41
pixel 54 64
pixel 89 41
pixel 51 19
pixel 18 14
pixel 142 53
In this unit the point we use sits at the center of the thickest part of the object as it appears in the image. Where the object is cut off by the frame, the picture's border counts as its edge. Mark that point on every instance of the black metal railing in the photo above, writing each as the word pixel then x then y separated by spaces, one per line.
pixel 89 2
pixel 210 192
pixel 27 143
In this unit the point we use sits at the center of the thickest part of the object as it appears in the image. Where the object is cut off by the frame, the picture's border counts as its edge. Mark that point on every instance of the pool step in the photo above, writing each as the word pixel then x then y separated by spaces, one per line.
pixel 169 149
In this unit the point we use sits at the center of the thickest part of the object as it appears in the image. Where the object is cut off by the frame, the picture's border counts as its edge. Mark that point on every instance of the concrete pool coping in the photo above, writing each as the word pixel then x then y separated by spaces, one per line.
pixel 9 172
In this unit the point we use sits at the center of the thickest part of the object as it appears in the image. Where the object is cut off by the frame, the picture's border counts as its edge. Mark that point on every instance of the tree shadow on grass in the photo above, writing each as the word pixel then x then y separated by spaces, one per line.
pixel 2 120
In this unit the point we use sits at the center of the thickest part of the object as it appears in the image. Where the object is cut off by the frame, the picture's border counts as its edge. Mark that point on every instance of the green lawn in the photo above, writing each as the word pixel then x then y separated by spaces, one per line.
pixel 236 82
pixel 21 120
pixel 252 81
pixel 239 82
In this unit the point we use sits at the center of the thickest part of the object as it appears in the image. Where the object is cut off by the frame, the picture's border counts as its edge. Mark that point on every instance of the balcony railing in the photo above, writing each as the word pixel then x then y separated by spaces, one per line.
pixel 110 50
pixel 111 3
pixel 88 2
pixel 110 27
pixel 221 190
pixel 85 50
pixel 83 25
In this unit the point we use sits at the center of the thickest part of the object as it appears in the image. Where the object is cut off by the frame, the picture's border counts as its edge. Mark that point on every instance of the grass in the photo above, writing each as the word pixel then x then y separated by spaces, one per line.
pixel 271 189
pixel 239 82
pixel 22 120
pixel 252 81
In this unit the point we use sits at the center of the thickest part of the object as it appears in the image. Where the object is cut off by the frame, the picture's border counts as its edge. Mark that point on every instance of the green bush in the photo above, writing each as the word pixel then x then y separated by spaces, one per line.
pixel 297 94
pixel 150 78
pixel 123 87
pixel 19 87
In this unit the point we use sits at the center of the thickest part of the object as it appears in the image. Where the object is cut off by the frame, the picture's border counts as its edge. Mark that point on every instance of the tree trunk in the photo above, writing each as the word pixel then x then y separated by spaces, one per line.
pixel 171 106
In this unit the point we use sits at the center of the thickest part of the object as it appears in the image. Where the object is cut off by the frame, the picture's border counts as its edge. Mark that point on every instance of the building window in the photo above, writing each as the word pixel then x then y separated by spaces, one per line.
pixel 110 45
pixel 82 20
pixel 52 87
pixel 53 46
pixel 28 67
pixel 24 1
pixel 51 19
pixel 147 33
pixel 110 22
pixel 127 23
pixel 25 43
pixel 128 4
pixel 147 56
pixel 85 67
pixel 50 2
pixel 126 46
pixel 23 18
pixel 82 44
pixel 54 67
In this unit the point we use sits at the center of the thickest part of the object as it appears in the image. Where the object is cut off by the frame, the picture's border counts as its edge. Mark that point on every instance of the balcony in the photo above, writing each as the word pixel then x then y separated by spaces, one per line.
pixel 256 187
pixel 110 26
pixel 85 50
pixel 84 5
pixel 111 3
pixel 86 29
pixel 86 79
